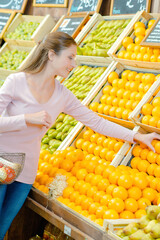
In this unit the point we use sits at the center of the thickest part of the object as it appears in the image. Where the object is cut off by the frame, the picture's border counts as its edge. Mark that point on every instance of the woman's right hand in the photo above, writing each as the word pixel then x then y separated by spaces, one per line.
pixel 39 118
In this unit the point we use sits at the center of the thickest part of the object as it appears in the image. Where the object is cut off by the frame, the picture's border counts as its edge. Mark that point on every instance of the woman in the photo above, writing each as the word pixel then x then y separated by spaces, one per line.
pixel 30 102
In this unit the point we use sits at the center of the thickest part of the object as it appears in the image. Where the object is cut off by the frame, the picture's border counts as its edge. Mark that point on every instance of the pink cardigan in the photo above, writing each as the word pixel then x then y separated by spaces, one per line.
pixel 15 136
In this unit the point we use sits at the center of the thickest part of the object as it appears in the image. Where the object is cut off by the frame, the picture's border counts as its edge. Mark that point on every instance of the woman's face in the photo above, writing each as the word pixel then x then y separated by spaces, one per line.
pixel 63 63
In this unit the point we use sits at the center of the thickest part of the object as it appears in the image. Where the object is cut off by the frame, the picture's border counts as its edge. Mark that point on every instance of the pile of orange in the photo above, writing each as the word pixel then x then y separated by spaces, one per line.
pixel 132 48
pixel 151 113
pixel 122 95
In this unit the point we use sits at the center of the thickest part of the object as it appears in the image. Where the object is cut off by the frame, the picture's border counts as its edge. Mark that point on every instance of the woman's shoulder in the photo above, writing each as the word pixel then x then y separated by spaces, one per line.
pixel 16 76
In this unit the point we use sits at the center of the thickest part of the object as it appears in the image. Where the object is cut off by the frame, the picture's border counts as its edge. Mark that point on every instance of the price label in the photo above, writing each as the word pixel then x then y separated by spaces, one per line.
pixel 67 230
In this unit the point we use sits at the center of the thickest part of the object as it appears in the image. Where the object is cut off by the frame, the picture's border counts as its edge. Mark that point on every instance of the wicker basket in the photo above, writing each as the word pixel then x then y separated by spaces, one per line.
pixel 11 165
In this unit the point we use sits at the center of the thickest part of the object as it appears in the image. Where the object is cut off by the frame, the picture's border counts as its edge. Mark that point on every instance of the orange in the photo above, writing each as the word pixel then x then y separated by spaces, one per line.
pixel 110 214
pixel 91 148
pixel 67 165
pixel 117 204
pixel 156 51
pixel 138 39
pixel 139 180
pixel 98 195
pixel 139 57
pixel 107 89
pixel 91 191
pixel 124 74
pixel 120 192
pixel 93 208
pixel 90 167
pixel 153 58
pixel 157 172
pixel 143 165
pixel 67 192
pixel 125 181
pixel 147 109
pixel 139 213
pixel 100 211
pixel 151 22
pixel 99 221
pixel 130 47
pixel 47 157
pixel 84 213
pixel 73 196
pixel 103 98
pixel 112 76
pixel 85 145
pixel 94 137
pixel 100 140
pixel 121 83
pixel 155 111
pixel 106 109
pixel 103 152
pixel 89 177
pixel 87 134
pixel 136 151
pixel 134 162
pixel 84 188
pixel 139 31
pixel 95 180
pixel 97 150
pixel 122 102
pixel 81 174
pixel 105 199
pixel 92 217
pixel 117 146
pixel 115 82
pixel 112 111
pixel 153 121
pixel 79 143
pixel 115 102
pixel 78 184
pixel 121 54
pixel 139 24
pixel 156 101
pixel 128 55
pixel 99 169
pixel 149 193
pixel 129 104
pixel 134 192
pixel 43 188
pixel 111 144
pixel 110 188
pixel 158 160
pixel 132 75
pixel 93 106
pixel 137 49
pixel 71 181
pixel 114 177
pixel 118 112
pixel 79 199
pixel 120 93
pixel 103 184
pixel 157 199
pixel 157 147
pixel 110 155
pixel 127 215
pixel 100 108
pixel 108 170
pixel 150 169
pixel 126 41
pixel 131 205
pixel 145 119
pixel 43 152
pixel 151 157
pixel 146 57
pixel 143 203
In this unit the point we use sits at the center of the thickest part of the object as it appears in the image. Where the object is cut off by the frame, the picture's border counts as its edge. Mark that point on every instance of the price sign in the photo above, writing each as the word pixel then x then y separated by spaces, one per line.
pixel 5 20
pixel 152 38
pixel 67 230
pixel 50 3
pixel 71 25
pixel 129 6
pixel 15 5
pixel 83 6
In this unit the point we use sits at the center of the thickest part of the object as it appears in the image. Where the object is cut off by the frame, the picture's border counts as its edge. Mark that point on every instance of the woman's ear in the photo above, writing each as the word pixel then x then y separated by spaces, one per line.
pixel 51 54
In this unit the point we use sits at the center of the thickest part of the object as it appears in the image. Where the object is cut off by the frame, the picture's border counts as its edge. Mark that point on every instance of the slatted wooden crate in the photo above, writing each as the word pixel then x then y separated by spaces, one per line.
pixel 96 95
pixel 78 133
pixel 136 115
pixel 10 47
pixel 129 31
pixel 92 25
pixel 45 25
pixel 101 80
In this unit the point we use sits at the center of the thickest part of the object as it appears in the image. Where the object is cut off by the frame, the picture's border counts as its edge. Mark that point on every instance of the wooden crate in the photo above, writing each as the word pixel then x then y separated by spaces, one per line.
pixel 61 215
pixel 96 95
pixel 129 31
pixel 92 25
pixel 45 25
pixel 78 133
pixel 136 115
pixel 7 46
pixel 100 81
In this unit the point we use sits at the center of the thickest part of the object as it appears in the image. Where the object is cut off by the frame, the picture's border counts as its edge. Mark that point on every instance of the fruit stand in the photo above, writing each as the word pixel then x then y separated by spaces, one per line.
pixel 104 183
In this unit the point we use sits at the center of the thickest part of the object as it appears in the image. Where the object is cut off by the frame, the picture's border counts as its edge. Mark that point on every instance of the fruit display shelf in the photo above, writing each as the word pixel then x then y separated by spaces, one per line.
pixel 62 216
pixel 86 79
pixel 31 29
pixel 135 61
pixel 10 63
pixel 122 91
pixel 97 49
pixel 147 112
pixel 111 155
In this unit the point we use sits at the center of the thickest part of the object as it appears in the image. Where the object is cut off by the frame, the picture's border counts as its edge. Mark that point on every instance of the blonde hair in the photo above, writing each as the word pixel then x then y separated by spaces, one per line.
pixel 56 41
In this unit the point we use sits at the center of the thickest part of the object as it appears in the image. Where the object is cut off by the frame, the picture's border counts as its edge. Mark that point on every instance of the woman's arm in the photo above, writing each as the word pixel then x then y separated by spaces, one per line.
pixel 12 123
pixel 89 118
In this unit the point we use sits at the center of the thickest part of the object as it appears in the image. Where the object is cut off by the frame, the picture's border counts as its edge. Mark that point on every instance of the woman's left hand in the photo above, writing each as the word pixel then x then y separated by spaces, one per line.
pixel 147 139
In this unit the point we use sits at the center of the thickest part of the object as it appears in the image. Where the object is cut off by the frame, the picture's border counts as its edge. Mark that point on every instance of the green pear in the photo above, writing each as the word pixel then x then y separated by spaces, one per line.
pixel 155 232
pixel 130 228
pixel 120 233
pixel 60 117
pixel 143 222
pixel 158 217
pixel 138 235
pixel 152 211
pixel 148 228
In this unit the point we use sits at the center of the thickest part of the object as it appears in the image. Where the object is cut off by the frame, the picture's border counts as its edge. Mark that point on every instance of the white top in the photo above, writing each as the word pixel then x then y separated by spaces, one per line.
pixel 16 100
